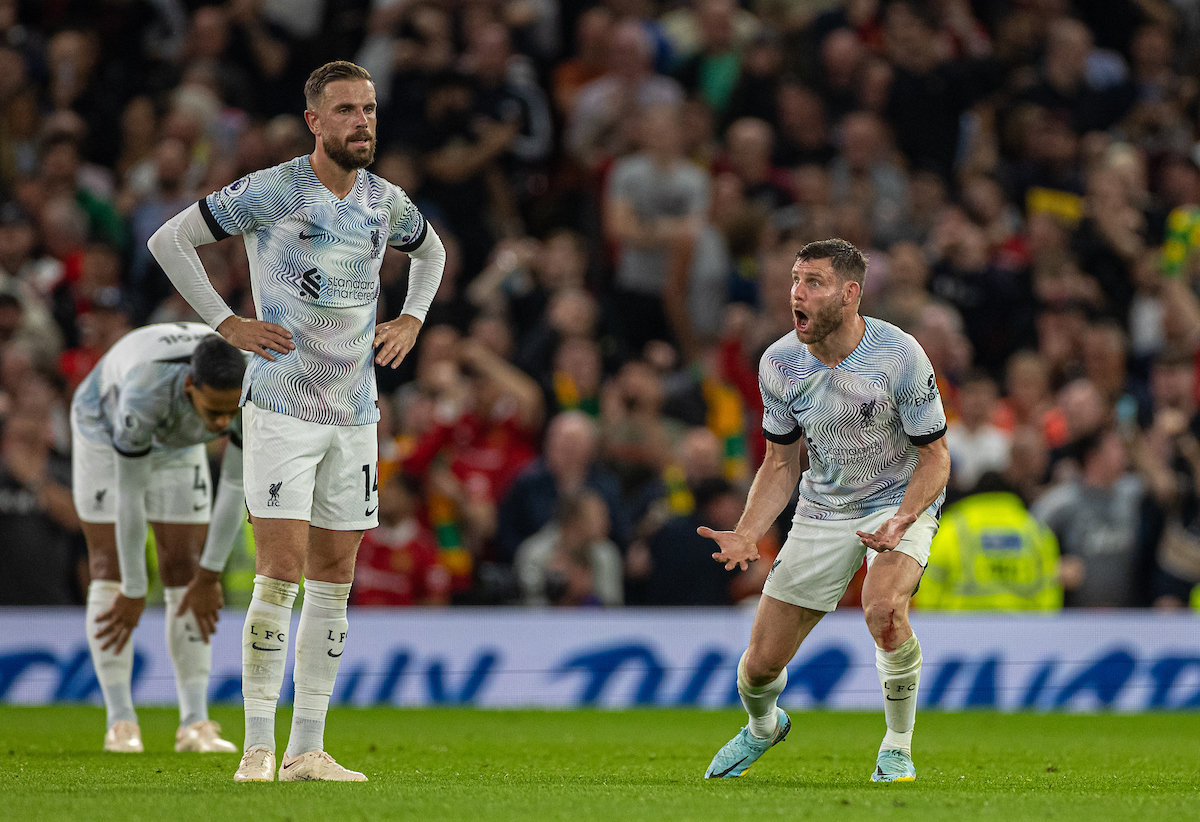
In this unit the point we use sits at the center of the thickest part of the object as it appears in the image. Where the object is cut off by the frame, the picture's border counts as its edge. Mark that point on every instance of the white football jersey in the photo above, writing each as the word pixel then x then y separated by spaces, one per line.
pixel 134 398
pixel 314 270
pixel 862 421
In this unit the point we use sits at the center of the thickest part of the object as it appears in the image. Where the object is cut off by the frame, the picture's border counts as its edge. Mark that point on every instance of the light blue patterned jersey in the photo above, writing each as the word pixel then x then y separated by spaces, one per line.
pixel 862 421
pixel 134 399
pixel 314 269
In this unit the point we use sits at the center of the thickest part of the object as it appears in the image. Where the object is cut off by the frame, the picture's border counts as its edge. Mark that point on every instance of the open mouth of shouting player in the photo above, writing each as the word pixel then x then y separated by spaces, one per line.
pixel 816 319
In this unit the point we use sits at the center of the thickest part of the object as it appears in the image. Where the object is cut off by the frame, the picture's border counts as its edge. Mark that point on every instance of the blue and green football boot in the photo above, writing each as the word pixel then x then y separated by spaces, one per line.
pixel 894 766
pixel 739 753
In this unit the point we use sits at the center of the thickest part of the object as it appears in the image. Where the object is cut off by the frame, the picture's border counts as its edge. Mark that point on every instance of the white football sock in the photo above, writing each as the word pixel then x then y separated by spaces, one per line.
pixel 320 640
pixel 264 657
pixel 762 702
pixel 114 671
pixel 192 658
pixel 899 674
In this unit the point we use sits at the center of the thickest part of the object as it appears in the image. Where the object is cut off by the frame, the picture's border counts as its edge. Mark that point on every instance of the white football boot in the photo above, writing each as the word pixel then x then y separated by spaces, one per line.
pixel 202 737
pixel 316 766
pixel 257 765
pixel 123 737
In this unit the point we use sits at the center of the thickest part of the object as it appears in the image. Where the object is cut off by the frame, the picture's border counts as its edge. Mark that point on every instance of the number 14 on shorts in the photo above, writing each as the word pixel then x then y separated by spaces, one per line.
pixel 370 486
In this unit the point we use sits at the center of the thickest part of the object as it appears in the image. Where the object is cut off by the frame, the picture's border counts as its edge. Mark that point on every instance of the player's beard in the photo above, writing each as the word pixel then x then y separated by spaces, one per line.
pixel 350 159
pixel 824 321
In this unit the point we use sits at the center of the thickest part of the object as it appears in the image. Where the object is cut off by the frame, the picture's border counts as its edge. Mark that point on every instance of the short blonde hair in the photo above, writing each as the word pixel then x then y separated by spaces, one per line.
pixel 314 87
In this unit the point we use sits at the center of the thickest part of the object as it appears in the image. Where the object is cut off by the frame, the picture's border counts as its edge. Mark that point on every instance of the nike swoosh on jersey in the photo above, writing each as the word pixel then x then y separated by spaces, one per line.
pixel 304 236
pixel 199 507
pixel 258 647
pixel 332 654
pixel 370 511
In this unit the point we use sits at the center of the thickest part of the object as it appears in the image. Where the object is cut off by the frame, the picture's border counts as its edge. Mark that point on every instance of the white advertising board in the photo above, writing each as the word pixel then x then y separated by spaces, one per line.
pixel 1075 661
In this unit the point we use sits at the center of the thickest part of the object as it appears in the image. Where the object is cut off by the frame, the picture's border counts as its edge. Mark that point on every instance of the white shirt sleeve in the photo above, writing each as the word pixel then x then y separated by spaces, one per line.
pixel 229 512
pixel 424 274
pixel 133 480
pixel 174 246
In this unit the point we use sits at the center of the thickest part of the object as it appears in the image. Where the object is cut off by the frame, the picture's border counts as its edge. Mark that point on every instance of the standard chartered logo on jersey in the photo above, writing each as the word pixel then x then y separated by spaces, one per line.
pixel 314 285
pixel 343 288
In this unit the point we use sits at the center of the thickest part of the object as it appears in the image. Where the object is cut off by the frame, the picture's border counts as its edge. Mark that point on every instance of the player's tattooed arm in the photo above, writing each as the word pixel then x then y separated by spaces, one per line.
pixel 926 485
pixel 256 336
pixel 772 488
pixel 394 339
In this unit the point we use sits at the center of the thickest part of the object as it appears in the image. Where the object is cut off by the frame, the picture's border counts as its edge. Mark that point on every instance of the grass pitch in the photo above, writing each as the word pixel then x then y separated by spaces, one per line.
pixel 637 765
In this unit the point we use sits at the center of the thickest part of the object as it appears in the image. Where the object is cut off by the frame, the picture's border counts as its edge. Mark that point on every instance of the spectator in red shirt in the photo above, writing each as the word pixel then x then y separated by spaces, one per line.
pixel 489 415
pixel 397 563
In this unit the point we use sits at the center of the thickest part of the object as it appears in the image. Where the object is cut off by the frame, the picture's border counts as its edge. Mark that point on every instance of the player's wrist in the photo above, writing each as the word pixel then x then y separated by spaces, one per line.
pixel 206 576
pixel 225 327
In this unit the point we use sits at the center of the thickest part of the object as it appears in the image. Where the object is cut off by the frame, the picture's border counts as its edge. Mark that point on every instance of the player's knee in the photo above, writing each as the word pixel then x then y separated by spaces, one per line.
pixel 760 669
pixel 884 616
pixel 103 566
pixel 329 568
pixel 176 568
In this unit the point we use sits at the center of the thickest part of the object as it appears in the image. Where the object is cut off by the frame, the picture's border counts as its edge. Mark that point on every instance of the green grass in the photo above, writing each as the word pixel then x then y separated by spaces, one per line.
pixel 637 765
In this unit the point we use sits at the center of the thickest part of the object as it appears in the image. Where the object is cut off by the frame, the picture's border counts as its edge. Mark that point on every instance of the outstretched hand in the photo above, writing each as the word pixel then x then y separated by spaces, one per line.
pixel 394 339
pixel 888 536
pixel 736 551
pixel 256 336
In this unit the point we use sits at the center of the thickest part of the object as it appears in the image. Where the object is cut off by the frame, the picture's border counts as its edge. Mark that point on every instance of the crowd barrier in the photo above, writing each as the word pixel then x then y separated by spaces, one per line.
pixel 513 658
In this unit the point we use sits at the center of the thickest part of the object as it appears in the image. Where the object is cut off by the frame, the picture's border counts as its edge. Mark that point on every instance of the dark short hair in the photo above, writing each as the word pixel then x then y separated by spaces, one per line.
pixel 1087 446
pixel 217 364
pixel 848 262
pixel 314 87
pixel 709 490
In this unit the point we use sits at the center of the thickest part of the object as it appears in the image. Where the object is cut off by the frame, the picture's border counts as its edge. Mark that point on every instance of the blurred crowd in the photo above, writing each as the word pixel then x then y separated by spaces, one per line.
pixel 622 187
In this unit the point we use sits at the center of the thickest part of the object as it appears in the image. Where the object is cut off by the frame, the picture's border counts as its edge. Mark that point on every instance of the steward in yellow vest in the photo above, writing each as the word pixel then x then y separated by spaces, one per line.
pixel 991 554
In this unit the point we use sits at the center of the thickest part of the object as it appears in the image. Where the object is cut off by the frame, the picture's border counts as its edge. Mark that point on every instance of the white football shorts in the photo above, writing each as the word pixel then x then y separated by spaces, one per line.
pixel 180 486
pixel 820 556
pixel 326 475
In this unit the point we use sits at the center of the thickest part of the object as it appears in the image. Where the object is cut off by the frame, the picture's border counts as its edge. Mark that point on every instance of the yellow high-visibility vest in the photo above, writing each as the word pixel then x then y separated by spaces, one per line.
pixel 991 554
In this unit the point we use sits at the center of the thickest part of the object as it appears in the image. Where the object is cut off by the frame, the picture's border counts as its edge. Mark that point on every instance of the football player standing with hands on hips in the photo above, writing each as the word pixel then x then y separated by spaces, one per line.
pixel 315 229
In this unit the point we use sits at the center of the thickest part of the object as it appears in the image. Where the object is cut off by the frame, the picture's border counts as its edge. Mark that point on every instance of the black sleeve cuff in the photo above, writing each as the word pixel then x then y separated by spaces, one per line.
pixel 213 226
pixel 131 454
pixel 925 439
pixel 783 439
pixel 416 243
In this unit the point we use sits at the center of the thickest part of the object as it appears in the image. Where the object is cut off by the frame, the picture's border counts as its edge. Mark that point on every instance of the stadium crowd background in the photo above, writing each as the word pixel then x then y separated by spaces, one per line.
pixel 622 187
